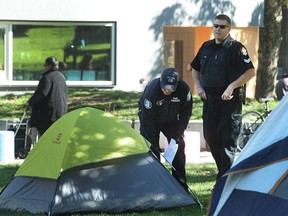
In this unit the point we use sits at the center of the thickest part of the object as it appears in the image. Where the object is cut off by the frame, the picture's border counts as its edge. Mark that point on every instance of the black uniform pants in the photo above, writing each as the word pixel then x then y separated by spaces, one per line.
pixel 221 127
pixel 170 132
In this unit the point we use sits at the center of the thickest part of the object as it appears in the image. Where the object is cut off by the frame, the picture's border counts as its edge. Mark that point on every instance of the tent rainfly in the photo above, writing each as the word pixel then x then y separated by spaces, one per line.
pixel 90 161
pixel 257 182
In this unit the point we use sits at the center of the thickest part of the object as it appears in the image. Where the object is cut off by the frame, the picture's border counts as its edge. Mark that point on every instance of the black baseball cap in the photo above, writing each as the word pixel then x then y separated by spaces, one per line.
pixel 169 79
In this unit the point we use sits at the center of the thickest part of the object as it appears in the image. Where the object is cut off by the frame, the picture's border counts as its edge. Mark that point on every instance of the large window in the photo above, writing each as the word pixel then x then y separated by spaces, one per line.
pixel 86 52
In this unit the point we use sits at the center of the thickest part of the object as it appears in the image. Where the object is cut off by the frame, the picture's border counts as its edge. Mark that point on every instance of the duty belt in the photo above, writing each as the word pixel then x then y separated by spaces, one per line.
pixel 218 97
pixel 213 97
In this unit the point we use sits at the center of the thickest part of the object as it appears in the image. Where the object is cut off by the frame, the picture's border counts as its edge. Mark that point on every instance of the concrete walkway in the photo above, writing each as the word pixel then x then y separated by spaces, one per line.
pixel 205 157
pixel 201 157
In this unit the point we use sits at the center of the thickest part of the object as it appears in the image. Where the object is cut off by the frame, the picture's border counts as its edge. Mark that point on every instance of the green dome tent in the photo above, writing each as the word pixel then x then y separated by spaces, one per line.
pixel 90 161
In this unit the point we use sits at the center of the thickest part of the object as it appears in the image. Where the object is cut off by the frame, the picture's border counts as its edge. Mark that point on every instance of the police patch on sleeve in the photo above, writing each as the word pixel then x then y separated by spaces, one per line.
pixel 246 58
pixel 188 98
pixel 244 51
pixel 147 104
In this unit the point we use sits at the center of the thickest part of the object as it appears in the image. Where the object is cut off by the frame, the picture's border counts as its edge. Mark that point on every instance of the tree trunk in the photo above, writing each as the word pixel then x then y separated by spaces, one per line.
pixel 270 40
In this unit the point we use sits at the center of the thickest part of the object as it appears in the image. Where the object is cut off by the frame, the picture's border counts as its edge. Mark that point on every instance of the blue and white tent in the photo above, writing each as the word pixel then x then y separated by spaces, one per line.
pixel 257 182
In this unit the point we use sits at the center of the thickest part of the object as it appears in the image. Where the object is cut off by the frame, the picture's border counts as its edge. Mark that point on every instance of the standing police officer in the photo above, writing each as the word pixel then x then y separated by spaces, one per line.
pixel 220 69
pixel 166 106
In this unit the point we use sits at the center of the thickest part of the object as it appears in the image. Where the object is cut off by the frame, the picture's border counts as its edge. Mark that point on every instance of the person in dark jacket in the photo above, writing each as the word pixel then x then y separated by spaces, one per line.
pixel 166 106
pixel 49 101
pixel 282 87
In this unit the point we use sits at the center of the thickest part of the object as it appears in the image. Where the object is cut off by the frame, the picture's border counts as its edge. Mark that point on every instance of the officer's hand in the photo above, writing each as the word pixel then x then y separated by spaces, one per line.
pixel 228 93
pixel 201 92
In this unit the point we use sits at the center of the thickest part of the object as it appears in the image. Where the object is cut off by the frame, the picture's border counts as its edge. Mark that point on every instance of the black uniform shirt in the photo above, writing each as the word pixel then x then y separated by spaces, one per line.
pixel 157 109
pixel 221 64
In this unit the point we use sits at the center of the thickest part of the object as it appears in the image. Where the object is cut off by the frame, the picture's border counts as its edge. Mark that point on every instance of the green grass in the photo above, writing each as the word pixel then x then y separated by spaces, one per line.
pixel 120 103
pixel 200 177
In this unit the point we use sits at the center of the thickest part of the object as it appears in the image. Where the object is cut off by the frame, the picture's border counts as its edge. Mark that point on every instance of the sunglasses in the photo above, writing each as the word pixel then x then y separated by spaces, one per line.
pixel 221 26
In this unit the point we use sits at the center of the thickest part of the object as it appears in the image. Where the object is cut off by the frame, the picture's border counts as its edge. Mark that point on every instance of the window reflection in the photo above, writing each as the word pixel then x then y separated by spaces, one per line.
pixel 85 51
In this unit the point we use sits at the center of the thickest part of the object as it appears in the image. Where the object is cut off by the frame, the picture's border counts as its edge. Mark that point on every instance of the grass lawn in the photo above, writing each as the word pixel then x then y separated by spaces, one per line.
pixel 201 178
pixel 119 103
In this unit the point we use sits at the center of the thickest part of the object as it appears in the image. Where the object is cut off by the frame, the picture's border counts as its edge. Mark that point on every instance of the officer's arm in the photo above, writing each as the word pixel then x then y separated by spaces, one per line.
pixel 148 122
pixel 244 67
pixel 244 78
pixel 196 79
pixel 185 113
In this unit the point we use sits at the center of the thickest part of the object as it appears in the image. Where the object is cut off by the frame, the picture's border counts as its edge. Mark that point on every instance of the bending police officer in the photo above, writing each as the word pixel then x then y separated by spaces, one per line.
pixel 166 106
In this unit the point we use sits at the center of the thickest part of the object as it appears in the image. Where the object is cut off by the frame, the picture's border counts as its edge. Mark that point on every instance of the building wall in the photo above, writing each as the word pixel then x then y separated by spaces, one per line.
pixel 139 26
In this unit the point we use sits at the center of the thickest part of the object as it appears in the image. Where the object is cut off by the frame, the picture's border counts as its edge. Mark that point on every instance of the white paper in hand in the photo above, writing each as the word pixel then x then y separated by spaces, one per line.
pixel 170 152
